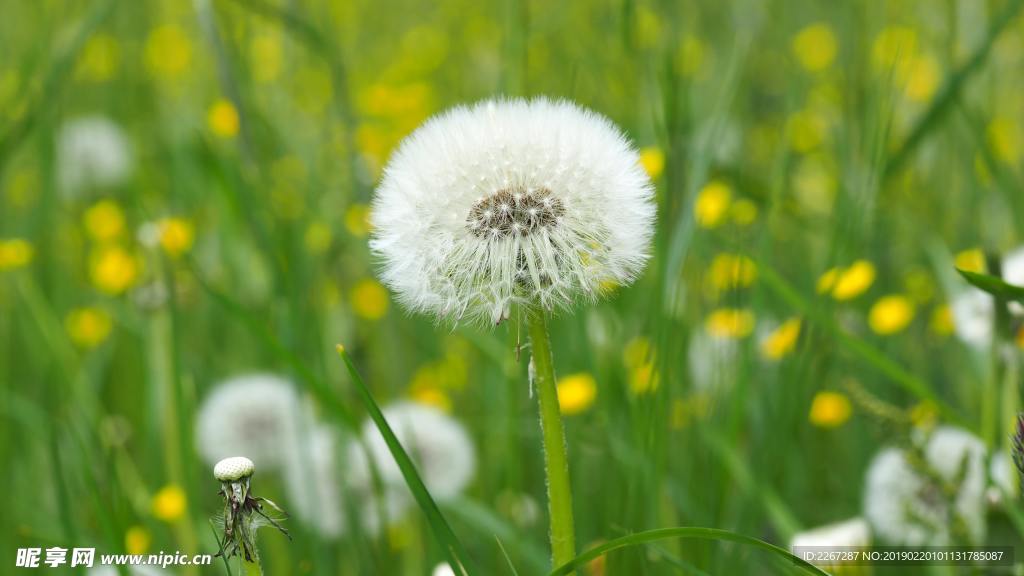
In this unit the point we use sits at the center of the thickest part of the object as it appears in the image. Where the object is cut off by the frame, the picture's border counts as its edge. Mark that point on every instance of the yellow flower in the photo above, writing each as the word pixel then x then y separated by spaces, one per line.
pixel 782 340
pixel 690 57
pixel 712 204
pixel 100 58
pixel 923 76
pixel 653 161
pixel 357 220
pixel 265 53
pixel 15 253
pixel 168 52
pixel 104 220
pixel 744 212
pixel 942 321
pixel 136 540
pixel 1003 137
pixel 643 378
pixel 830 409
pixel 432 397
pixel 807 130
pixel 972 260
pixel 891 314
pixel 369 299
pixel 730 271
pixel 88 327
pixel 815 47
pixel 576 393
pixel 113 269
pixel 730 323
pixel 169 503
pixel 894 47
pixel 223 118
pixel 638 357
pixel 637 352
pixel 176 236
pixel 317 238
pixel 847 283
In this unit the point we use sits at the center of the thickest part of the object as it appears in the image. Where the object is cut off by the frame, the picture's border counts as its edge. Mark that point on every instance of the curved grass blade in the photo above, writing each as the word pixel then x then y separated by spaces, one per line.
pixel 686 532
pixel 454 552
pixel 994 285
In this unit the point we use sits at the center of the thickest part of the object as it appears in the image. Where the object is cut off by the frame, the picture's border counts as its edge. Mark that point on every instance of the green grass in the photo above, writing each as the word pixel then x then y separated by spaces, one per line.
pixel 324 91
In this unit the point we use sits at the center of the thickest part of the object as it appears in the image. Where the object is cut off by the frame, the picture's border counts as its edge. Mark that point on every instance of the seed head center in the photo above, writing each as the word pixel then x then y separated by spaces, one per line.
pixel 514 212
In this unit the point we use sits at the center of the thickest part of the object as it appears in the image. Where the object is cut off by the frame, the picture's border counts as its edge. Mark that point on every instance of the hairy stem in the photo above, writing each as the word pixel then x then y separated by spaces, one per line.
pixel 563 540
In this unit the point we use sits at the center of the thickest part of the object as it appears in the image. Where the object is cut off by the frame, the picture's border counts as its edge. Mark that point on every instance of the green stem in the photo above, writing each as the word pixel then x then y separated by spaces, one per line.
pixel 252 568
pixel 563 540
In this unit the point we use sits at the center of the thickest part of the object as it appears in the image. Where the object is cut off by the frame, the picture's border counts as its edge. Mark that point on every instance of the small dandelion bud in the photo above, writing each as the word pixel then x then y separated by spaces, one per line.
pixel 234 468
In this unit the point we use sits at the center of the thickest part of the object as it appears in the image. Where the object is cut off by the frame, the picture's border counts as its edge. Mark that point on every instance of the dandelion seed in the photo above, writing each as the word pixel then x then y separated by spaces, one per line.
pixel 931 494
pixel 257 414
pixel 92 152
pixel 568 183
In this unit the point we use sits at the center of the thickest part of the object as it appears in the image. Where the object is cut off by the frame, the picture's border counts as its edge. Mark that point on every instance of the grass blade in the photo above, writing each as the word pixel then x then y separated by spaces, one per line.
pixel 686 532
pixel 455 553
pixel 994 285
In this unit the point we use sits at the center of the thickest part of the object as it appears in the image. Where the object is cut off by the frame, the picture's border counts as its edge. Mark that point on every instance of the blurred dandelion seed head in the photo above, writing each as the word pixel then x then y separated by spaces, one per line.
pixel 314 482
pixel 511 201
pixel 92 152
pixel 438 444
pixel 259 415
pixel 933 498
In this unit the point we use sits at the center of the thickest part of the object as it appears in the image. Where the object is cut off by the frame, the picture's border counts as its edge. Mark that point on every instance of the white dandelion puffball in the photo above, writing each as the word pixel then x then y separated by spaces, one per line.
pixel 852 532
pixel 258 415
pixel 511 201
pixel 437 444
pixel 906 507
pixel 92 151
pixel 443 569
pixel 974 317
pixel 313 482
pixel 1004 475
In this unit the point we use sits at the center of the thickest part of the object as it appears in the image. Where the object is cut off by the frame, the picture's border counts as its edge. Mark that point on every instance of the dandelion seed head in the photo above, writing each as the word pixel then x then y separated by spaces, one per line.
pixel 534 185
pixel 92 151
pixel 439 446
pixel 258 415
pixel 233 468
pixel 313 482
pixel 908 507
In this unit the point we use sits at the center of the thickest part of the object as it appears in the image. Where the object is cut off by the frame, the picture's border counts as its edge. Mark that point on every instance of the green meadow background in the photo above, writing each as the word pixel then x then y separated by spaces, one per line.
pixel 738 384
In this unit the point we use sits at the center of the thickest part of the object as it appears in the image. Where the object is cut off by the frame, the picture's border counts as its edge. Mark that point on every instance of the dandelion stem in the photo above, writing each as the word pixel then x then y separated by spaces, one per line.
pixel 563 540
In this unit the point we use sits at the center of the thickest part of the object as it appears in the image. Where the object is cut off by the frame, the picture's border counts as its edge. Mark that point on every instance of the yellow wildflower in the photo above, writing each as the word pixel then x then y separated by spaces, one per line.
pixel 847 283
pixel 317 238
pixel 432 397
pixel 576 393
pixel 169 503
pixel 830 409
pixel 782 340
pixel 222 118
pixel 923 76
pixel 653 161
pixel 972 260
pixel 88 327
pixel 728 271
pixel 815 47
pixel 890 314
pixel 369 299
pixel 99 59
pixel 15 253
pixel 730 323
pixel 104 220
pixel 168 52
pixel 136 540
pixel 357 220
pixel 113 269
pixel 744 212
pixel 712 204
pixel 942 320
pixel 1004 139
pixel 176 236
